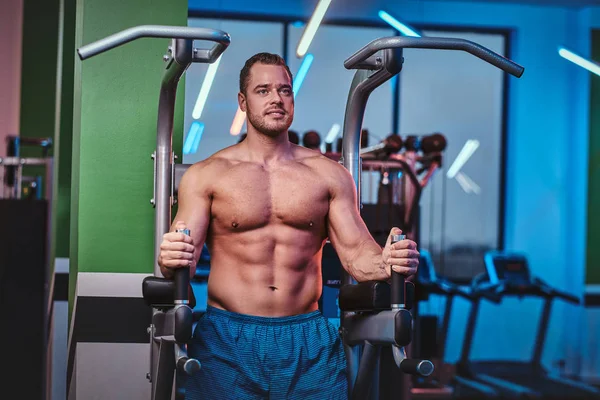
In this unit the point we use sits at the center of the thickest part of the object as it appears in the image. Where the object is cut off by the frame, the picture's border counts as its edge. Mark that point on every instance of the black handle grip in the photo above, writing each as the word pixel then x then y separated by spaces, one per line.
pixel 182 279
pixel 398 294
pixel 416 367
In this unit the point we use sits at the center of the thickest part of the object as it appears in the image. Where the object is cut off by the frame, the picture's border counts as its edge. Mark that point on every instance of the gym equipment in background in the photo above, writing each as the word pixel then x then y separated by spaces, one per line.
pixel 516 378
pixel 444 385
pixel 312 140
pixel 402 177
pixel 172 318
pixel 16 184
pixel 376 63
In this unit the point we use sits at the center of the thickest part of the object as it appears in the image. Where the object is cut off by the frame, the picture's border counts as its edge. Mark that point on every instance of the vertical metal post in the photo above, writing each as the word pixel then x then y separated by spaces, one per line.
pixel 364 82
pixel 364 379
pixel 179 60
pixel 469 332
pixel 536 359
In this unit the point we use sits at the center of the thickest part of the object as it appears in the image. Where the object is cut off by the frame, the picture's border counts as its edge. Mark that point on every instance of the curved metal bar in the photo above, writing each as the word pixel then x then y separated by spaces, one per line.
pixel 160 31
pixel 434 43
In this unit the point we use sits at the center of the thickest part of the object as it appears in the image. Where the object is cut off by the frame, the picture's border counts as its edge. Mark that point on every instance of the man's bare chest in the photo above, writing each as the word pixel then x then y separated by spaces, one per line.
pixel 245 200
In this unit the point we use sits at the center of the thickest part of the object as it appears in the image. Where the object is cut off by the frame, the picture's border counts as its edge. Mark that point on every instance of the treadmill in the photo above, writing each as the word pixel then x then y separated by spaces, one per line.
pixel 526 379
pixel 435 386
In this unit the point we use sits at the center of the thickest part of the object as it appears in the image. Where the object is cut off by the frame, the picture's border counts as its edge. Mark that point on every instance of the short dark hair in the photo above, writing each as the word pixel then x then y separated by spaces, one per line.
pixel 262 58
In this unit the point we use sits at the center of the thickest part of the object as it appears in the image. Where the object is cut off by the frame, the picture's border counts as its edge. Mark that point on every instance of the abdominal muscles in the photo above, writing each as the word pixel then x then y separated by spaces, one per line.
pixel 271 271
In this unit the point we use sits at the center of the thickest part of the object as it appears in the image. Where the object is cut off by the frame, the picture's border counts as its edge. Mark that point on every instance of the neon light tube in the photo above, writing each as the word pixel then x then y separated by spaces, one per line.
pixel 238 122
pixel 205 89
pixel 397 25
pixel 577 59
pixel 302 71
pixel 311 27
pixel 464 155
pixel 193 137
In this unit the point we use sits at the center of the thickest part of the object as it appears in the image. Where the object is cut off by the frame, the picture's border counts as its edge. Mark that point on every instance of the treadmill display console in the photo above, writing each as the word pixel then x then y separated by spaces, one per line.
pixel 512 270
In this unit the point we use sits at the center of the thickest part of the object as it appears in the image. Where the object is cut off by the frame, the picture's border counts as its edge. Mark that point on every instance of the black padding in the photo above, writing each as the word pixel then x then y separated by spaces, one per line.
pixel 365 296
pixel 403 327
pixel 160 292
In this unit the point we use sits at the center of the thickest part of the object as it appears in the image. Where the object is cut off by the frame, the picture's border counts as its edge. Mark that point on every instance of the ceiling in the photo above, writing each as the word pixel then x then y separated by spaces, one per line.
pixel 550 3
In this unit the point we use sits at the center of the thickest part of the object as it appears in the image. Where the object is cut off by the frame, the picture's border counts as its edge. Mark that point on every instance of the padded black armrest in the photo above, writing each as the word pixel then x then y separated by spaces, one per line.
pixel 160 292
pixel 365 296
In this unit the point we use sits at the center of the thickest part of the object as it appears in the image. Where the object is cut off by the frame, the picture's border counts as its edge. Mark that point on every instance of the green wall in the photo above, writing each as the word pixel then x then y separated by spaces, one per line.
pixel 593 214
pixel 114 134
pixel 38 69
pixel 40 42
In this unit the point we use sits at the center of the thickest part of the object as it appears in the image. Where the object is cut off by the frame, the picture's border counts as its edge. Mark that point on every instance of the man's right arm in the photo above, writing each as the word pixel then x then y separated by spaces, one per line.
pixel 193 213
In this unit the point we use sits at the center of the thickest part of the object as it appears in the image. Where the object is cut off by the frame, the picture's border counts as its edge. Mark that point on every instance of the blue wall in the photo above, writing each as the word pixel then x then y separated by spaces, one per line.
pixel 547 157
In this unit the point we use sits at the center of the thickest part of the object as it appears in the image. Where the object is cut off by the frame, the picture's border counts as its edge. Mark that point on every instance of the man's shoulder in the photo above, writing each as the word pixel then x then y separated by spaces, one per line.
pixel 313 158
pixel 219 161
pixel 330 171
pixel 324 164
pixel 203 174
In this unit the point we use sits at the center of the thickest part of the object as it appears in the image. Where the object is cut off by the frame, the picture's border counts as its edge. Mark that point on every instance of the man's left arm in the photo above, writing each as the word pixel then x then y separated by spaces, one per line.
pixel 361 256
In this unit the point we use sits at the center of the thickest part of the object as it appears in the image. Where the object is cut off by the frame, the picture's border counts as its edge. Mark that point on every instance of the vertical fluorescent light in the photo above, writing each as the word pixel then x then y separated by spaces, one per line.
pixel 399 26
pixel 238 122
pixel 466 179
pixel 467 151
pixel 331 136
pixel 302 71
pixel 193 137
pixel 311 27
pixel 463 183
pixel 203 95
pixel 577 59
pixel 197 140
pixel 333 133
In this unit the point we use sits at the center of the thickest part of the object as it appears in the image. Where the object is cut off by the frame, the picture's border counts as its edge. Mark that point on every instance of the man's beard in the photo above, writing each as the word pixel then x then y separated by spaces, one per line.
pixel 269 128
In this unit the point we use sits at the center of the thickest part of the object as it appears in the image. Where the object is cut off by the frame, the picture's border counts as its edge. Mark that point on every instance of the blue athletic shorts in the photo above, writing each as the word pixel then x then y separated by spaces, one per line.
pixel 248 357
